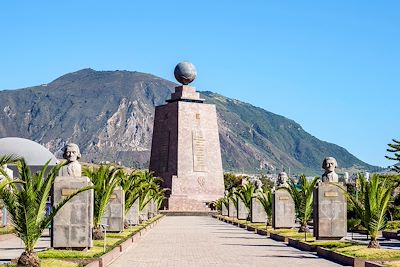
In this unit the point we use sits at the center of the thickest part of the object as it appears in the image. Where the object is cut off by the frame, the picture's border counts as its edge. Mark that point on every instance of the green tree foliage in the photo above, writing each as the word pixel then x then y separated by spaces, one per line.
pixel 245 193
pixel 372 205
pixel 105 179
pixel 25 199
pixel 232 180
pixel 395 149
pixel 302 194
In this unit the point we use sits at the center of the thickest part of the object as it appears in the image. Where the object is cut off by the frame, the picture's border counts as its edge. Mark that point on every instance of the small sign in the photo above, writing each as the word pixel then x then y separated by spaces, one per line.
pixel 67 192
pixel 331 194
pixel 113 196
pixel 284 198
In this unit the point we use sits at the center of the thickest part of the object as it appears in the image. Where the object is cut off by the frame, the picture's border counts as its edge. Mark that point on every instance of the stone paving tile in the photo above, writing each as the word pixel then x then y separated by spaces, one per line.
pixel 205 241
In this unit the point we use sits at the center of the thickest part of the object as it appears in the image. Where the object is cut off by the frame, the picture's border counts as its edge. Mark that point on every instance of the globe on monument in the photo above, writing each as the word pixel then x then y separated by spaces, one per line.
pixel 185 72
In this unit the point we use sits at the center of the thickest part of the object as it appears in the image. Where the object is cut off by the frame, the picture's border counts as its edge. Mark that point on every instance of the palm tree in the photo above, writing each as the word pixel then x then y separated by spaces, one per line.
pixel 372 204
pixel 245 193
pixel 105 179
pixel 265 197
pixel 302 194
pixel 25 199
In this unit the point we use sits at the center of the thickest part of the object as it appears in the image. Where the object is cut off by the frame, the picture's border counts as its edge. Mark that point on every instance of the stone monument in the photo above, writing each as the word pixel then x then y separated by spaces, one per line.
pixel 258 214
pixel 242 211
pixel 185 147
pixel 330 205
pixel 283 208
pixel 10 175
pixel 114 213
pixel 224 210
pixel 132 216
pixel 232 211
pixel 72 226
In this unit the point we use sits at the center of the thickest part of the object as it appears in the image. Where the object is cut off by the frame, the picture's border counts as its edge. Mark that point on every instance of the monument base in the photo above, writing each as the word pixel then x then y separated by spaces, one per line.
pixel 330 212
pixel 283 209
pixel 184 203
pixel 72 226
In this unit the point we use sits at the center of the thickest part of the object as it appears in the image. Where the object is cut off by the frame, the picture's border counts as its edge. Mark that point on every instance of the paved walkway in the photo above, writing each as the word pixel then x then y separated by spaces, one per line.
pixel 205 241
pixel 12 248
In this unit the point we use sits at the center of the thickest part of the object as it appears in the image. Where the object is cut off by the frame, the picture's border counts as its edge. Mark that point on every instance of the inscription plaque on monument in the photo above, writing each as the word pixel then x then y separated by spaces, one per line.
pixel 283 209
pixel 199 151
pixel 258 214
pixel 242 211
pixel 330 212
pixel 72 226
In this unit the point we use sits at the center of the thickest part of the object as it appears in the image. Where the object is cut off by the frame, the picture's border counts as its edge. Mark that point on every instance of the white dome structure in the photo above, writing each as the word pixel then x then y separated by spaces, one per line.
pixel 34 154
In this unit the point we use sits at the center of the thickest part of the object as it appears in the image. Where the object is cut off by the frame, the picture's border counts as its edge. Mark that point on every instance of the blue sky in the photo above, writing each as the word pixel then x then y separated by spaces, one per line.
pixel 332 66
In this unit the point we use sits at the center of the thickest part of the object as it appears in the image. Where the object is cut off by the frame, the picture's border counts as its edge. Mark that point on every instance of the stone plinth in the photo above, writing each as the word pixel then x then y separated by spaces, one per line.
pixel 72 226
pixel 330 212
pixel 232 211
pixel 114 213
pixel 224 210
pixel 132 216
pixel 258 214
pixel 186 151
pixel 283 209
pixel 144 214
pixel 242 211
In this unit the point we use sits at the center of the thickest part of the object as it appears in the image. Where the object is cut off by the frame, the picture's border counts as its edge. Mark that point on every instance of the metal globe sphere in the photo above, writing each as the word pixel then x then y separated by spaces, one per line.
pixel 185 72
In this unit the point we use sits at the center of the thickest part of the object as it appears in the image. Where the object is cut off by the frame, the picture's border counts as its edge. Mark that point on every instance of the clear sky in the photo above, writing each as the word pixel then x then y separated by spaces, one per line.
pixel 332 66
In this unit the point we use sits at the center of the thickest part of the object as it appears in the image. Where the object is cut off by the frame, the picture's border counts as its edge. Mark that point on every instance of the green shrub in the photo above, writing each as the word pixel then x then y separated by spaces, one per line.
pixel 393 225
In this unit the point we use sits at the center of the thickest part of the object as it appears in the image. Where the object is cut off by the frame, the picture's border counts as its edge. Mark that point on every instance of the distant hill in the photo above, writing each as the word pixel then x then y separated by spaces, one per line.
pixel 109 114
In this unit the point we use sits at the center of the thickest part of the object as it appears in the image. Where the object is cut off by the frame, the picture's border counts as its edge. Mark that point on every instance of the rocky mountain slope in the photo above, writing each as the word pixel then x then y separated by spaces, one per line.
pixel 110 115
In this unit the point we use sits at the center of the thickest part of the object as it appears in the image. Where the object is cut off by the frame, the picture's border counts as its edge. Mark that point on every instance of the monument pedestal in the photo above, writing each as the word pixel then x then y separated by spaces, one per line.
pixel 72 226
pixel 258 214
pixel 283 209
pixel 186 151
pixel 114 213
pixel 132 216
pixel 232 211
pixel 224 210
pixel 242 212
pixel 330 212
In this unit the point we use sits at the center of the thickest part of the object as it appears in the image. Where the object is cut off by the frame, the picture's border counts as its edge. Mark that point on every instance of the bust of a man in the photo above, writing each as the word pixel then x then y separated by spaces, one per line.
pixel 282 180
pixel 73 168
pixel 329 164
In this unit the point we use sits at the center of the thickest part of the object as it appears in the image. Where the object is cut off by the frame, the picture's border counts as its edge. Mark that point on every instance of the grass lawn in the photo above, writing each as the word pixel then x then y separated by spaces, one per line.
pixel 6 230
pixel 331 244
pixel 292 233
pixel 362 251
pixel 52 263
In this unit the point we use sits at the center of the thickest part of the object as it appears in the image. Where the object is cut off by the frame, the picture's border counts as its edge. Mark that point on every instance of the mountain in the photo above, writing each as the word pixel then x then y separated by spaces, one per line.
pixel 109 114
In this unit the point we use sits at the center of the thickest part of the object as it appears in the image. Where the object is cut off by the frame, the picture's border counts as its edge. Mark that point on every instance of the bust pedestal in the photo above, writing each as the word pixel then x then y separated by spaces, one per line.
pixel 330 212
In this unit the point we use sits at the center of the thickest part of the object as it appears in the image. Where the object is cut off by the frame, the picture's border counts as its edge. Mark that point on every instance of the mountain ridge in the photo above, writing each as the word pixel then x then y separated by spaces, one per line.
pixel 110 115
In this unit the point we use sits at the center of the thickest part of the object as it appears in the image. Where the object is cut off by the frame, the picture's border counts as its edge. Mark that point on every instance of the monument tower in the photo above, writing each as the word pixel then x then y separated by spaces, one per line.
pixel 185 149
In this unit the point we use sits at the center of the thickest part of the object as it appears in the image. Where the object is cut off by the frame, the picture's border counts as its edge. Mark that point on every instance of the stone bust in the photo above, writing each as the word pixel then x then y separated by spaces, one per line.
pixel 72 168
pixel 329 164
pixel 257 183
pixel 282 180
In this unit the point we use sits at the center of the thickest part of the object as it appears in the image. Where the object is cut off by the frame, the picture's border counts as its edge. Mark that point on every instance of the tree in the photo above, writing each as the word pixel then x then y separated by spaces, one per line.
pixel 372 205
pixel 232 180
pixel 25 199
pixel 265 197
pixel 302 194
pixel 395 148
pixel 105 179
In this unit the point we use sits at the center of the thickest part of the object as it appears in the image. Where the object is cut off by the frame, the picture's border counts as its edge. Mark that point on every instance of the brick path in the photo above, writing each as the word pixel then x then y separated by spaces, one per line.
pixel 205 241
